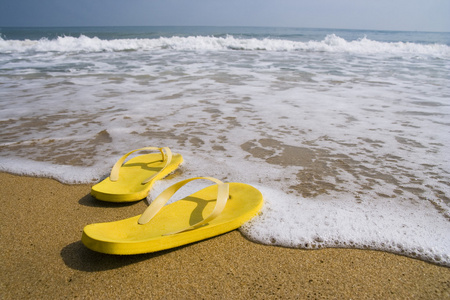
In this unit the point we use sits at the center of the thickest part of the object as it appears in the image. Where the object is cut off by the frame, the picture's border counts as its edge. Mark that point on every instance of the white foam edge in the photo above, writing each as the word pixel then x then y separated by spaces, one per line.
pixel 340 223
pixel 62 173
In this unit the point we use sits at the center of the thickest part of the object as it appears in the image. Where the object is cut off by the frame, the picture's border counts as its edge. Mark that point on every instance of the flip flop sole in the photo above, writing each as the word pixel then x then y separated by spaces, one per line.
pixel 129 187
pixel 128 237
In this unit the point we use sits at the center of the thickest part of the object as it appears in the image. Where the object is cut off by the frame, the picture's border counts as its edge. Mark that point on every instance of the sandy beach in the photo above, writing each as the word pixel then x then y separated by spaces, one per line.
pixel 42 257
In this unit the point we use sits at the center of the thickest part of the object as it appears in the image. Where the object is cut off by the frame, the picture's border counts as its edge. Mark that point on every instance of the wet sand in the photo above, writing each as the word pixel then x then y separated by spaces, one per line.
pixel 42 257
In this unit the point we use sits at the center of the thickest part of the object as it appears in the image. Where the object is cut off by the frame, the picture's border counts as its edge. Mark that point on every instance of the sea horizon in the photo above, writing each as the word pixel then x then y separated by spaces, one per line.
pixel 224 26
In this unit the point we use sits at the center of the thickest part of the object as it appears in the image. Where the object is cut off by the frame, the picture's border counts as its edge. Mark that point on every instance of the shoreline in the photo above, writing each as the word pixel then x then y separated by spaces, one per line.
pixel 42 257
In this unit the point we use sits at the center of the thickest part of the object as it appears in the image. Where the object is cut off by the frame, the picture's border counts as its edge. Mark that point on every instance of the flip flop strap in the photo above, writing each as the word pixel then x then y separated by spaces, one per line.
pixel 167 157
pixel 161 200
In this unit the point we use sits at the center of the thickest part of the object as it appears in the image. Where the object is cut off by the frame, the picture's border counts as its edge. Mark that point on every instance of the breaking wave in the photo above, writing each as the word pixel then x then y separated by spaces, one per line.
pixel 331 43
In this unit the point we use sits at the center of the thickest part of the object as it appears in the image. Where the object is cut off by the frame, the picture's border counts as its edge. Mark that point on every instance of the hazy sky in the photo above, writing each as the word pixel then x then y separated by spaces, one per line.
pixel 420 15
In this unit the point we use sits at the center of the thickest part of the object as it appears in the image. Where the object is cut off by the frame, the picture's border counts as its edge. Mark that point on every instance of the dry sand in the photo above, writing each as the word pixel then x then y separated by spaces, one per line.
pixel 42 258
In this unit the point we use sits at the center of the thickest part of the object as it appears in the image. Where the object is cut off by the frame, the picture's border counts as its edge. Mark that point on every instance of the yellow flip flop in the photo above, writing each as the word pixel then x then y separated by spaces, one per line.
pixel 131 181
pixel 212 211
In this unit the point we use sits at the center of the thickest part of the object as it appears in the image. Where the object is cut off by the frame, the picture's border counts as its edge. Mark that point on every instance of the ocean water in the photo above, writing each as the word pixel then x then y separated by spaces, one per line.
pixel 345 132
